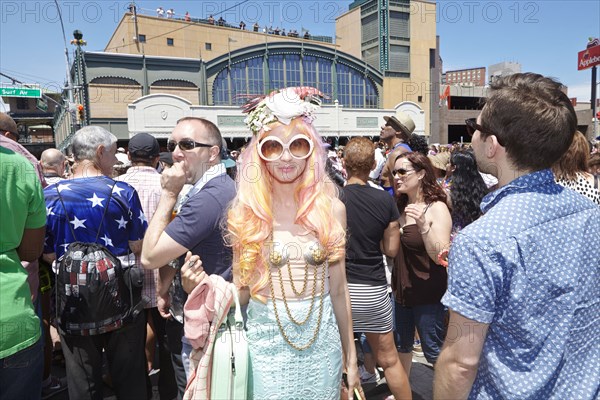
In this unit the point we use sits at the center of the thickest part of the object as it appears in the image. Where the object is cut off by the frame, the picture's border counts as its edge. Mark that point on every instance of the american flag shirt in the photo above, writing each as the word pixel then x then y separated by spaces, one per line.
pixel 85 200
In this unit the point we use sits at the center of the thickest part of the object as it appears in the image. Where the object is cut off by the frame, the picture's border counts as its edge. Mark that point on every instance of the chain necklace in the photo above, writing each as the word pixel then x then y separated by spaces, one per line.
pixel 319 319
pixel 298 293
pixel 312 298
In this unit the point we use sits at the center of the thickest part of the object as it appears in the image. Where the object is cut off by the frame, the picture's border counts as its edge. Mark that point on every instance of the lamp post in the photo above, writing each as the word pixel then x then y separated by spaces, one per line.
pixel 83 109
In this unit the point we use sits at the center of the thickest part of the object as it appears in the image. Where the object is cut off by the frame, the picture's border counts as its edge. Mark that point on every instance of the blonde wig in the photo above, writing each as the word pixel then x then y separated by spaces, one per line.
pixel 250 218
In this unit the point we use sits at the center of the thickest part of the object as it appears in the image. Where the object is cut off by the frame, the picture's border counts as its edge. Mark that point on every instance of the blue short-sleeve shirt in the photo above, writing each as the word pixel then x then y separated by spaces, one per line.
pixel 85 200
pixel 530 268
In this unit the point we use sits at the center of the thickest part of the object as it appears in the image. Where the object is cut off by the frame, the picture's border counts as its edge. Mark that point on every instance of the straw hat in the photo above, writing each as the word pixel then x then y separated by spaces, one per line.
pixel 440 160
pixel 402 122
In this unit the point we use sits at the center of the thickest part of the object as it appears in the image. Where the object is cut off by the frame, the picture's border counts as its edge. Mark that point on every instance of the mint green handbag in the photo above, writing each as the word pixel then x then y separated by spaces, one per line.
pixel 231 360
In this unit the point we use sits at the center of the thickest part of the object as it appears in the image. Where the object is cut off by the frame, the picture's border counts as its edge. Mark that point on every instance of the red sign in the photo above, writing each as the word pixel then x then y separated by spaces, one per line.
pixel 588 58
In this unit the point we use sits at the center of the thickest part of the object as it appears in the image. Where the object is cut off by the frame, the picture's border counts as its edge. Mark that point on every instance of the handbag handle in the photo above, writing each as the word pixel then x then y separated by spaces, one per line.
pixel 239 320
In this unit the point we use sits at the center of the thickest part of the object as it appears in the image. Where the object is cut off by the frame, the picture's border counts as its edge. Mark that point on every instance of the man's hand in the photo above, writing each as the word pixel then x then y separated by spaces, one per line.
pixel 173 179
pixel 192 272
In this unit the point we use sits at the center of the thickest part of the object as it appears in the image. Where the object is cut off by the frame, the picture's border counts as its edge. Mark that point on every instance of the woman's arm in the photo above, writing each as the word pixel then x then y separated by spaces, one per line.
pixel 340 298
pixel 391 239
pixel 434 225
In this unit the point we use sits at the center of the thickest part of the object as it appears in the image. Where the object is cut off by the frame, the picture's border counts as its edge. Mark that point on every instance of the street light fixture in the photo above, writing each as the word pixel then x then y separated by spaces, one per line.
pixel 78 38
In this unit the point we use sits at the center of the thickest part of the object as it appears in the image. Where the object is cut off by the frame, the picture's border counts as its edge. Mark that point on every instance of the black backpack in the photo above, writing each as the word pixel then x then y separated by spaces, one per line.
pixel 94 294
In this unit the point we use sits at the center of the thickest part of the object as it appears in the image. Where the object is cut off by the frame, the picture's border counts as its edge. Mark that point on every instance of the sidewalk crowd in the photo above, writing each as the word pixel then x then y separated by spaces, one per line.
pixel 481 260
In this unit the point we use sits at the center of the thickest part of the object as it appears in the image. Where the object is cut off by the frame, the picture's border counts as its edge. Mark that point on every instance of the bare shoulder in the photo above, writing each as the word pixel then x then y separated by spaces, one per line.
pixel 338 206
pixel 339 209
pixel 439 208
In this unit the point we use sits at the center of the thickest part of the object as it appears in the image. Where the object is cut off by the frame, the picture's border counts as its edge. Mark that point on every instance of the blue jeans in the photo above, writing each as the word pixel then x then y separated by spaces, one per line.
pixel 21 374
pixel 186 351
pixel 429 320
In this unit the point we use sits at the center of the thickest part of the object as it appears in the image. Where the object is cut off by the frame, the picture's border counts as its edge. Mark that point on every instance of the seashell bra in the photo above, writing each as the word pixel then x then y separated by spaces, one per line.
pixel 314 254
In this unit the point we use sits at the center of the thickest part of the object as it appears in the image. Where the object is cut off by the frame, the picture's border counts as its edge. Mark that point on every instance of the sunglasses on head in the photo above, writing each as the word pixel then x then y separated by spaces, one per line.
pixel 272 148
pixel 401 172
pixel 185 145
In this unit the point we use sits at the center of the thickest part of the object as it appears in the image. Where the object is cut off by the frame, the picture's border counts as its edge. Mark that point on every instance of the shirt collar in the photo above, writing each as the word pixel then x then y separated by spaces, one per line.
pixel 142 168
pixel 536 178
pixel 213 172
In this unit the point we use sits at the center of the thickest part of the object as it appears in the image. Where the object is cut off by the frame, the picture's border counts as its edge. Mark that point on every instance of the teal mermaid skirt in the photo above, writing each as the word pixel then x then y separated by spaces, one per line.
pixel 278 371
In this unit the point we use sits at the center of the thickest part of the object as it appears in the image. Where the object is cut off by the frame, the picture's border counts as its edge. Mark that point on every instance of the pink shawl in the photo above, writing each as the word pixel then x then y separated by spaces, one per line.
pixel 204 311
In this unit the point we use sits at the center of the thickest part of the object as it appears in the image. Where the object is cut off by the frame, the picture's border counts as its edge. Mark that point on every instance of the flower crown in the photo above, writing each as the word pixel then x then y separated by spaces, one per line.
pixel 282 105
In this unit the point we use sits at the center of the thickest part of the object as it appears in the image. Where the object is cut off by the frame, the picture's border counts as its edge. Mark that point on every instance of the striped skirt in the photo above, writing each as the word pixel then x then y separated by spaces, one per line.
pixel 371 308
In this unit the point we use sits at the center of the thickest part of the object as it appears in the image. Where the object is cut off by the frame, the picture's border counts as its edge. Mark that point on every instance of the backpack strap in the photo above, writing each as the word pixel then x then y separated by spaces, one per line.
pixel 597 182
pixel 103 214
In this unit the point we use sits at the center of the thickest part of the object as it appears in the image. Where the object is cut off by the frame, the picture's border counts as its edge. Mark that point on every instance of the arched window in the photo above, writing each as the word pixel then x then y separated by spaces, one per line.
pixel 244 79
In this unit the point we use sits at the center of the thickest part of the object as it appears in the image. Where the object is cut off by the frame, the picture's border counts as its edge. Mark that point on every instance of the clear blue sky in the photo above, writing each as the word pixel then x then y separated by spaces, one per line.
pixel 544 36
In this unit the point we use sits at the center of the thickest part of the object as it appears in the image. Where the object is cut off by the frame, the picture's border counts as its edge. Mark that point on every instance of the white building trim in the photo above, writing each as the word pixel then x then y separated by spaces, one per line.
pixel 158 114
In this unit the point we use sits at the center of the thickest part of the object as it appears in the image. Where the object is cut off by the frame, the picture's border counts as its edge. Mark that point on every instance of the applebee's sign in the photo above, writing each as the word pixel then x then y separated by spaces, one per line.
pixel 588 58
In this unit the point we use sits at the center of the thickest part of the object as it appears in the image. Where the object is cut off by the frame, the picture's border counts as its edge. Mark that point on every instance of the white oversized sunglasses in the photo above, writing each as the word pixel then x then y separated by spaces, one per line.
pixel 272 148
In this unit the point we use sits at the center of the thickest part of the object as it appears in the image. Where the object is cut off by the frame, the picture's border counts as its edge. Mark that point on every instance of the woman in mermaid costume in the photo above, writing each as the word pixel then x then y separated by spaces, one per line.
pixel 287 230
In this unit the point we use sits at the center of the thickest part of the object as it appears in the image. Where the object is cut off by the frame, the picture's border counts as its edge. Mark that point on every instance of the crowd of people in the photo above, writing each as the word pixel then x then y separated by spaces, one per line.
pixel 486 255
pixel 170 14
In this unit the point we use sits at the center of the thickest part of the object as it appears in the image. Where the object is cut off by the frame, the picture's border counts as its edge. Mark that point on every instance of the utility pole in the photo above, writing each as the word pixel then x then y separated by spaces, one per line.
pixel 593 101
pixel 69 88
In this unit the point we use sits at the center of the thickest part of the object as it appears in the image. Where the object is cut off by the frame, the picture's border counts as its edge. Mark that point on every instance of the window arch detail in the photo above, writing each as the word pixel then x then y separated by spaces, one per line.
pixel 173 83
pixel 114 80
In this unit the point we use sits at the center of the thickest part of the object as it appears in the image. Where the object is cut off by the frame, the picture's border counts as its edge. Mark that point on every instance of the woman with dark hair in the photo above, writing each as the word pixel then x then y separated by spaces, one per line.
pixel 418 282
pixel 571 169
pixel 466 191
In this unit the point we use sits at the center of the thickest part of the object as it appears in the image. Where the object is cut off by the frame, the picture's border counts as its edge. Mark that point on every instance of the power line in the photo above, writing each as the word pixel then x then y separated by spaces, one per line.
pixel 31 87
pixel 28 76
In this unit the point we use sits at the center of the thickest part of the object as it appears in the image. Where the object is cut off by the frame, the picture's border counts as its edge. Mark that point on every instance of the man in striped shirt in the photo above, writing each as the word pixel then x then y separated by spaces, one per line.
pixel 143 154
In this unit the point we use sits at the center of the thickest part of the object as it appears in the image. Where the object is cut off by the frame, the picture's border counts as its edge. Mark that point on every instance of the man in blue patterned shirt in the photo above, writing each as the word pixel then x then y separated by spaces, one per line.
pixel 121 229
pixel 524 279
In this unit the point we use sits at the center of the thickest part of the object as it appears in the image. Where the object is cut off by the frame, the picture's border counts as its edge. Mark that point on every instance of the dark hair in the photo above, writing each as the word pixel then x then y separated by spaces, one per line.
pixel 149 162
pixel 419 144
pixel 359 156
pixel 432 191
pixel 532 118
pixel 213 131
pixel 574 160
pixel 467 190
pixel 594 160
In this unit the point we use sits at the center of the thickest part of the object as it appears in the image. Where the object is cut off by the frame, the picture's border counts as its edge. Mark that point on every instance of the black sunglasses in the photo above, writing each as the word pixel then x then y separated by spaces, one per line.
pixel 473 126
pixel 186 145
pixel 401 172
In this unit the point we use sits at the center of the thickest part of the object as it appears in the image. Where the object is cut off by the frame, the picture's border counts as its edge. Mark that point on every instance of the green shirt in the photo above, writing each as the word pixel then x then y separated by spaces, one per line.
pixel 21 207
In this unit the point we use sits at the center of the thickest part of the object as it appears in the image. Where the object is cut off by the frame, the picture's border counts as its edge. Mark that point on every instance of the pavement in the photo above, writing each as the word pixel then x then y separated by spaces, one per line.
pixel 421 382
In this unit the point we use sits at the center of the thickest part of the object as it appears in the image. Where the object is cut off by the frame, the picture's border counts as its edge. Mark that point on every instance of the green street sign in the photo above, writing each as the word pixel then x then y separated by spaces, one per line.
pixel 42 105
pixel 20 92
